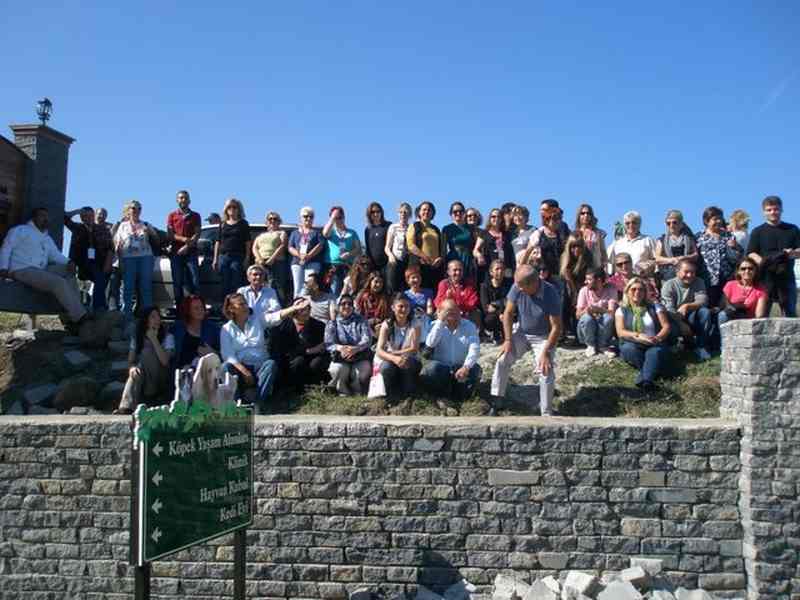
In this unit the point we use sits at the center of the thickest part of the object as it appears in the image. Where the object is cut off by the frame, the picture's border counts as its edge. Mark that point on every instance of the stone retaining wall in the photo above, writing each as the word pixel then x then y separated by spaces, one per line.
pixel 344 502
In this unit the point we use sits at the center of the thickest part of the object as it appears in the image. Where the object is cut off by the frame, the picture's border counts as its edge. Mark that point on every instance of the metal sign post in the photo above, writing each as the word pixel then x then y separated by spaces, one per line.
pixel 192 481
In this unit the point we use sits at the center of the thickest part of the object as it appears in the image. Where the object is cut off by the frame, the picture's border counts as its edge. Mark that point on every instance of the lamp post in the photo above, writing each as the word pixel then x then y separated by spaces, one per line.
pixel 44 108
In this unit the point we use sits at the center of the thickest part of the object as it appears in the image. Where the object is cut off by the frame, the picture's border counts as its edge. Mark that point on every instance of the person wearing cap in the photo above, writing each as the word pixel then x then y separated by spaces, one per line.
pixel 183 228
pixel 537 307
pixel 261 298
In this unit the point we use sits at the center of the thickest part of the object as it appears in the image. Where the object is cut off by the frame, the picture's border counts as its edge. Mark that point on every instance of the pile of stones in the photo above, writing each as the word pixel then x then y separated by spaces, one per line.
pixel 643 581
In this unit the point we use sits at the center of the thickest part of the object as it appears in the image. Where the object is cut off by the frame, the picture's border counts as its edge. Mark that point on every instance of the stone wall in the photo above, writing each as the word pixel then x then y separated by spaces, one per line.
pixel 344 502
pixel 761 390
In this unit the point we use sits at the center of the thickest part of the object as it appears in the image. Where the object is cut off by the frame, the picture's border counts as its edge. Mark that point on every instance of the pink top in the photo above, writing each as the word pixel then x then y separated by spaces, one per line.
pixel 736 294
pixel 604 298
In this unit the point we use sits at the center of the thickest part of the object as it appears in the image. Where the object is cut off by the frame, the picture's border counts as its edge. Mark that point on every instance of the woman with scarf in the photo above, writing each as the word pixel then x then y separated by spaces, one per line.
pixel 348 339
pixel 677 243
pixel 643 330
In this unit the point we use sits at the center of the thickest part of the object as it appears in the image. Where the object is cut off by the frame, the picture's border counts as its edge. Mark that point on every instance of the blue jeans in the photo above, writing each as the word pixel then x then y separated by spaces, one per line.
pixel 182 264
pixel 265 380
pixel 648 359
pixel 137 276
pixel 100 281
pixel 337 282
pixel 596 332
pixel 439 379
pixel 701 323
pixel 231 267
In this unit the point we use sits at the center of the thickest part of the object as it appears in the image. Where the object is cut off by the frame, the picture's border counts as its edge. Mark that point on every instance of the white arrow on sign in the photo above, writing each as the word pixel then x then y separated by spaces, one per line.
pixel 157 506
pixel 157 478
pixel 158 449
pixel 156 535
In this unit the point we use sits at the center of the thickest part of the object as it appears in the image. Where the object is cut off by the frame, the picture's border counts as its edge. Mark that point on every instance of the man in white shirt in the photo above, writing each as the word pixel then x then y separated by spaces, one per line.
pixel 453 371
pixel 30 256
pixel 261 298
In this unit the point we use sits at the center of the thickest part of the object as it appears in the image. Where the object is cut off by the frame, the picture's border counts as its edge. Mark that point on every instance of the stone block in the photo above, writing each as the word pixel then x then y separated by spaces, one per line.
pixel 507 477
pixel 76 359
pixel 636 576
pixel 540 591
pixel 652 566
pixel 556 561
pixel 506 587
pixel 580 583
pixel 661 595
pixel 684 594
pixel 40 394
pixel 619 590
pixel 652 478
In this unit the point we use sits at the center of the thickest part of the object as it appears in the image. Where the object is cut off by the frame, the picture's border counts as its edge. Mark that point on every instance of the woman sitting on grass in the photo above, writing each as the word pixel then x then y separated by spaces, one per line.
pixel 643 329
pixel 396 352
pixel 348 338
pixel 148 364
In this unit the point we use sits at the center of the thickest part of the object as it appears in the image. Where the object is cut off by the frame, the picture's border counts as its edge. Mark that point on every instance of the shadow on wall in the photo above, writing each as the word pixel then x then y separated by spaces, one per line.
pixel 436 572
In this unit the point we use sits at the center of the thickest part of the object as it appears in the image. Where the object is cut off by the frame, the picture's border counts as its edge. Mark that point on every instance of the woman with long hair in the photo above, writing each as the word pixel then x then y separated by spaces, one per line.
pixel 397 348
pixel 593 236
pixel 149 358
pixel 269 251
pixel 396 249
pixel 520 242
pixel 643 329
pixel 498 243
pixel 375 236
pixel 493 294
pixel 719 253
pixel 233 248
pixel 357 276
pixel 677 243
pixel 195 334
pixel 743 297
pixel 305 246
pixel 136 242
pixel 738 224
pixel 426 245
pixel 576 261
pixel 372 303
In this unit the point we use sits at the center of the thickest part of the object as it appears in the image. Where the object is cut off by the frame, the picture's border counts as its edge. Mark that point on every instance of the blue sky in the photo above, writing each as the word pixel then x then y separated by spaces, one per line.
pixel 622 105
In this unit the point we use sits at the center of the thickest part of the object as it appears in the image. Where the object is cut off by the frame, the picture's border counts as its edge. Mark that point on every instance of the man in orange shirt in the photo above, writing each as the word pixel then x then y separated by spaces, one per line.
pixel 462 292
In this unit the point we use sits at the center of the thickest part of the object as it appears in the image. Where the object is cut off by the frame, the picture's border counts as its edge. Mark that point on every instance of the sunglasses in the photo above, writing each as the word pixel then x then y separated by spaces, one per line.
pixel 273 219
pixel 458 211
pixel 672 222
pixel 472 216
pixel 376 211
pixel 308 216
pixel 630 223
pixel 585 212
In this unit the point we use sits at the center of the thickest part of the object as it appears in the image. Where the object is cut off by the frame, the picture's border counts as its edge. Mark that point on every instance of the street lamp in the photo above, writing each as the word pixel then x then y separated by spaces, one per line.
pixel 44 108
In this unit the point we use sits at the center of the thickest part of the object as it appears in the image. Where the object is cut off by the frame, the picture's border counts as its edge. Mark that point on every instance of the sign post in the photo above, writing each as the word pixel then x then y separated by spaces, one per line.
pixel 193 481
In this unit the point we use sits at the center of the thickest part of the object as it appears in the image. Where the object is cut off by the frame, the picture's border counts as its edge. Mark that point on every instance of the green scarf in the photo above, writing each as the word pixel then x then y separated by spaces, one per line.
pixel 638 318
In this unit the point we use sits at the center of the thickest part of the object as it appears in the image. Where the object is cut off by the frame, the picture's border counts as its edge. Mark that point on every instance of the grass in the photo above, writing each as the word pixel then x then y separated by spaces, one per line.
pixel 690 389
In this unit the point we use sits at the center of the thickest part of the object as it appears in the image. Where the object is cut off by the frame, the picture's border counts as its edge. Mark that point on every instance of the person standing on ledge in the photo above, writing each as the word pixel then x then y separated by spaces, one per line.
pixel 183 227
pixel 537 305
pixel 91 249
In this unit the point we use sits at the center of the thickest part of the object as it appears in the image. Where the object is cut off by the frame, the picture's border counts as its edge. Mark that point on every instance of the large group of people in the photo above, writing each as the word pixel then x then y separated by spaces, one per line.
pixel 410 303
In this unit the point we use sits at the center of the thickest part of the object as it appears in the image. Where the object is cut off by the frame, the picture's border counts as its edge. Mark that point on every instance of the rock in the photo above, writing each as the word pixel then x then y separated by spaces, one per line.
pixel 78 391
pixel 540 591
pixel 84 410
pixel 119 348
pixel 552 583
pixel 96 332
pixel 76 359
pixel 579 583
pixel 661 595
pixel 684 594
pixel 652 566
pixel 424 593
pixel 24 334
pixel 361 594
pixel 461 590
pixel 506 587
pixel 40 394
pixel 110 394
pixel 619 590
pixel 636 576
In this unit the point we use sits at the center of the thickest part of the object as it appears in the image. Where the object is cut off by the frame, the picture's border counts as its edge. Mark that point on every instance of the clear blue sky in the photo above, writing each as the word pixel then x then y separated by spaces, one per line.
pixel 622 105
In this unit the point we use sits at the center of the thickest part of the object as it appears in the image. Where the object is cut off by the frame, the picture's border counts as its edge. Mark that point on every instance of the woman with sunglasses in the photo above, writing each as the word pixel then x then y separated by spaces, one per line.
pixel 305 246
pixel 342 247
pixel 677 243
pixel 269 251
pixel 743 297
pixel 641 248
pixel 623 272
pixel 462 242
pixel 135 243
pixel 375 236
pixel 593 237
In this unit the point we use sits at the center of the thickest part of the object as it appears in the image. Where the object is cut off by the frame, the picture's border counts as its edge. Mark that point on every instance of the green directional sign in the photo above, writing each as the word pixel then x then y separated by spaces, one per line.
pixel 195 476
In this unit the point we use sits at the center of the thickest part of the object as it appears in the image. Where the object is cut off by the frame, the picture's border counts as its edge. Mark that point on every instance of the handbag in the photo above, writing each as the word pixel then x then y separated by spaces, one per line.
pixel 377 385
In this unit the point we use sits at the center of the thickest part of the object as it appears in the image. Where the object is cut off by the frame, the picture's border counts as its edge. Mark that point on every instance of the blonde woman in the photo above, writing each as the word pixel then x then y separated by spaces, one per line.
pixel 643 329
pixel 738 224
pixel 134 243
pixel 232 248
pixel 305 245
pixel 269 251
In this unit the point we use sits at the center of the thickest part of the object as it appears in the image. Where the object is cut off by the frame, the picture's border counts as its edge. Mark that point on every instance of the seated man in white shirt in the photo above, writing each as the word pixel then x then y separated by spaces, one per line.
pixel 261 298
pixel 30 256
pixel 453 371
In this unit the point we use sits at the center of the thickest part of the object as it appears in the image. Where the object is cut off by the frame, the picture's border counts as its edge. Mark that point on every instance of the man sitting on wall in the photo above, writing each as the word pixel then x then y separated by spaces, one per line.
pixel 30 256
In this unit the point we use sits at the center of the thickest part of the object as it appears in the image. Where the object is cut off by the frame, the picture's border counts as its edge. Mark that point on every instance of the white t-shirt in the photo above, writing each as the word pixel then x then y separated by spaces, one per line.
pixel 398 241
